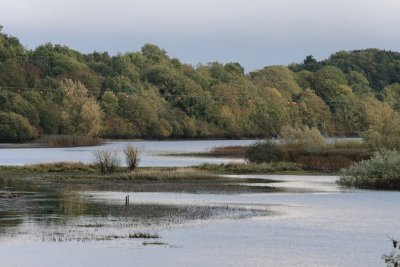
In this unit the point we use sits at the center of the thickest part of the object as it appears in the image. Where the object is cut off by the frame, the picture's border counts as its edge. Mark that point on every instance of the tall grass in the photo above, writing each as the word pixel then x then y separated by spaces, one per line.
pixel 262 168
pixel 58 167
pixel 228 151
pixel 166 175
pixel 69 141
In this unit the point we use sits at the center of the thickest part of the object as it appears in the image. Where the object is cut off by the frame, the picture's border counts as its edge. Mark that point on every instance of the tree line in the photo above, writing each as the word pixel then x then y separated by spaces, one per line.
pixel 55 90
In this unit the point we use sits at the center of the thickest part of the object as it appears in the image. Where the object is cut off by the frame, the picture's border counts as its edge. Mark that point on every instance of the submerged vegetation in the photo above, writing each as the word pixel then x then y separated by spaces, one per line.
pixel 144 235
pixel 55 90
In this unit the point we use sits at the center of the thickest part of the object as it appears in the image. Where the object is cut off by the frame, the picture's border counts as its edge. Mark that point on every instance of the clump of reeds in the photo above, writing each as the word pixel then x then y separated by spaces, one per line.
pixel 261 168
pixel 69 141
pixel 228 151
pixel 60 167
pixel 167 175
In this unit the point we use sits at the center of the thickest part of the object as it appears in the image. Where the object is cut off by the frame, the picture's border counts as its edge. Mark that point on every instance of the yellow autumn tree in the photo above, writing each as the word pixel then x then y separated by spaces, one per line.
pixel 81 114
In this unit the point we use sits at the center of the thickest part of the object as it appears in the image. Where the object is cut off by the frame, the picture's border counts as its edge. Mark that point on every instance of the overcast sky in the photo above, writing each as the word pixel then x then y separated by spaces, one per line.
pixel 255 33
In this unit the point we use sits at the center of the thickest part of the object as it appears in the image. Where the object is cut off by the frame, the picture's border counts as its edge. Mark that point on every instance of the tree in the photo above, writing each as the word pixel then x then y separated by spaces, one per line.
pixel 384 129
pixel 330 83
pixel 15 128
pixel 81 113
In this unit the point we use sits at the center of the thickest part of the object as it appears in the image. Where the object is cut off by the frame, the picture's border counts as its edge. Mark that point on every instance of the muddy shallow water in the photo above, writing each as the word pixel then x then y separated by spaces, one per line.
pixel 311 223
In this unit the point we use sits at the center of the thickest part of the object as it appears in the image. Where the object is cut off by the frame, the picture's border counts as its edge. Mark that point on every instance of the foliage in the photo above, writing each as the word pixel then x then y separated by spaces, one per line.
pixel 384 129
pixel 15 128
pixel 266 151
pixel 132 157
pixel 147 94
pixel 106 159
pixel 81 113
pixel 382 171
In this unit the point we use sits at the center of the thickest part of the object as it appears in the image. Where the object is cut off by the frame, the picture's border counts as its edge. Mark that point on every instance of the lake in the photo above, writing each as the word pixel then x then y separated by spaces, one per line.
pixel 309 221
pixel 312 223
pixel 152 153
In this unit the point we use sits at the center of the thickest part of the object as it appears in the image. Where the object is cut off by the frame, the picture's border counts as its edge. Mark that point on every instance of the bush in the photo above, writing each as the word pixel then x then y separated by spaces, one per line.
pixel 266 151
pixel 131 157
pixel 15 128
pixel 106 159
pixel 382 171
pixel 307 139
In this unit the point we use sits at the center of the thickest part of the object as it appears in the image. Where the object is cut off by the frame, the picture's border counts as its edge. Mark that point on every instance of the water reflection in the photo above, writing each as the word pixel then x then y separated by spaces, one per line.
pixel 41 212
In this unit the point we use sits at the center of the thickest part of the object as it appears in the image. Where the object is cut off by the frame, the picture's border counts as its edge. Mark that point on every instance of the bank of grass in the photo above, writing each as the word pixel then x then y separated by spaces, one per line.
pixel 87 177
pixel 57 167
pixel 254 168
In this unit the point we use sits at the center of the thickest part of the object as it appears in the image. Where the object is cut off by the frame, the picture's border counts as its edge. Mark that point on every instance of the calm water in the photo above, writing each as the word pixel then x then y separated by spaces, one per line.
pixel 314 223
pixel 151 153
pixel 311 223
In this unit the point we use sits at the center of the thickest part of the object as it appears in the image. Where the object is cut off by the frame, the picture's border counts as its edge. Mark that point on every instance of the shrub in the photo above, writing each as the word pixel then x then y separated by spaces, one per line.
pixel 266 151
pixel 106 159
pixel 382 171
pixel 308 139
pixel 131 157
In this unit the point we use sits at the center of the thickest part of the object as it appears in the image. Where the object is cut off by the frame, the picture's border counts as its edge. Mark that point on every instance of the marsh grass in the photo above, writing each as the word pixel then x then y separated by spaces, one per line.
pixel 228 151
pixel 57 167
pixel 329 160
pixel 69 141
pixel 175 174
pixel 248 168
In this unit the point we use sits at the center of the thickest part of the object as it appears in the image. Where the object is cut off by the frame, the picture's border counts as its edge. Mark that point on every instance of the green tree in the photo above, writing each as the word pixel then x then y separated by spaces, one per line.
pixel 15 128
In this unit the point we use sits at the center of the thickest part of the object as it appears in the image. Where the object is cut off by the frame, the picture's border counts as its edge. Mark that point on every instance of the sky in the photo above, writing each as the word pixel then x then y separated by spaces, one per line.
pixel 255 33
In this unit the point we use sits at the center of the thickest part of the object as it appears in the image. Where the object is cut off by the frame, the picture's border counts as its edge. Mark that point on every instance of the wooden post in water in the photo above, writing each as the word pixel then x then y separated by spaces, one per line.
pixel 127 200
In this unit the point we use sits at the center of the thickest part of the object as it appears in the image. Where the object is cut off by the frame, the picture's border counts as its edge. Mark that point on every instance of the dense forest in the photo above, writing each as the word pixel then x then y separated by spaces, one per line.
pixel 55 90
